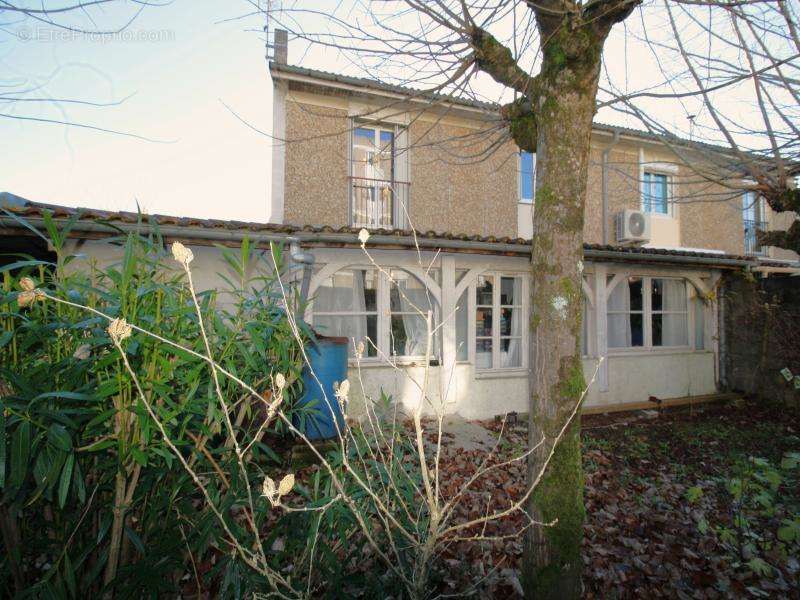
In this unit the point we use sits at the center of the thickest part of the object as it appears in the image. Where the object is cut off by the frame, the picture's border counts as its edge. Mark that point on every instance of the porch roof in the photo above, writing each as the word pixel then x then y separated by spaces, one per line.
pixel 98 224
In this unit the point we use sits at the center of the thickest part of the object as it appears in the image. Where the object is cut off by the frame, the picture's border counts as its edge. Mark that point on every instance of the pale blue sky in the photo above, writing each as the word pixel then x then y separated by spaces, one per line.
pixel 188 63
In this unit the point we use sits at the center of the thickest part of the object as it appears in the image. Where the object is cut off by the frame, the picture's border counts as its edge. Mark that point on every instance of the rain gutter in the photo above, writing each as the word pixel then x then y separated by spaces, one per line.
pixel 221 235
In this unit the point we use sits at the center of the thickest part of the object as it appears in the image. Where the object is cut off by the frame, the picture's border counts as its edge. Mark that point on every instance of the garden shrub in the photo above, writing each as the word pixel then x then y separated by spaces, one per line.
pixel 91 498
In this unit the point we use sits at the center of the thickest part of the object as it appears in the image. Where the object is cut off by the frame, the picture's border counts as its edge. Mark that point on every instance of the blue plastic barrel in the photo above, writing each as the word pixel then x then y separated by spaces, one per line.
pixel 328 358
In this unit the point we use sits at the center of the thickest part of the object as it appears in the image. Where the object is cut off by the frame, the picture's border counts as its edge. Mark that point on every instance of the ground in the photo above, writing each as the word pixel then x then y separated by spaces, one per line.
pixel 699 502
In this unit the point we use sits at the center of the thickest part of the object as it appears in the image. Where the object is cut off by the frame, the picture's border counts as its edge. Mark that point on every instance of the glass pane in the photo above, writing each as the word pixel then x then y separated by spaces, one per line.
pixel 409 336
pixel 636 293
pixel 674 294
pixel 699 324
pixel 483 321
pixel 625 330
pixel 356 328
pixel 384 167
pixel 483 354
pixel 510 353
pixel 526 171
pixel 511 321
pixel 484 290
pixel 670 330
pixel 510 290
pixel 462 325
pixel 348 291
pixel 363 152
pixel 408 294
pixel 637 330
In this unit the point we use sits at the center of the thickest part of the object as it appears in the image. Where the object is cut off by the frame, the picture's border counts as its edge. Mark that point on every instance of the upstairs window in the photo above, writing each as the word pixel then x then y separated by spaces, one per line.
pixel 527 177
pixel 754 221
pixel 656 191
pixel 378 176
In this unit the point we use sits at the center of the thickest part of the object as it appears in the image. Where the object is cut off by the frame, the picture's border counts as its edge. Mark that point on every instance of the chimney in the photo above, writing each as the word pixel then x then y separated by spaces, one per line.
pixel 281 46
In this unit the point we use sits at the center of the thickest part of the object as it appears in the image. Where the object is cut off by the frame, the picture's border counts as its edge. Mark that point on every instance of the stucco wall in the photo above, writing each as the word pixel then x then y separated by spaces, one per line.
pixel 316 165
pixel 451 190
pixel 454 188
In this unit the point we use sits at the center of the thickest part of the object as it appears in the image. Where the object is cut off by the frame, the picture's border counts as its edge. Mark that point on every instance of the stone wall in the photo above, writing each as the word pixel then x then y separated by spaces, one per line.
pixel 762 335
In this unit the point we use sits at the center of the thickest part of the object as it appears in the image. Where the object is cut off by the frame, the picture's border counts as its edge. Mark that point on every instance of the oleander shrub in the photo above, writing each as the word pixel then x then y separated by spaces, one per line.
pixel 92 500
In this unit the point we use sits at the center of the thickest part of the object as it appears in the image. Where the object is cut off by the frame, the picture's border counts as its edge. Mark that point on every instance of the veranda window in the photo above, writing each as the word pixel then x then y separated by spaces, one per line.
pixel 346 305
pixel 498 322
pixel 366 306
pixel 648 312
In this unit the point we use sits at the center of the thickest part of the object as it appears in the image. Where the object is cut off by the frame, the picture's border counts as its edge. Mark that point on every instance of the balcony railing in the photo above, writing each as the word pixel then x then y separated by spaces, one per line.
pixel 751 229
pixel 377 203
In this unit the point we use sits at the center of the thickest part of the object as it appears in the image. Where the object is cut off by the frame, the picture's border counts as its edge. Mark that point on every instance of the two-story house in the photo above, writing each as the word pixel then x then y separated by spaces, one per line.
pixel 359 153
pixel 447 198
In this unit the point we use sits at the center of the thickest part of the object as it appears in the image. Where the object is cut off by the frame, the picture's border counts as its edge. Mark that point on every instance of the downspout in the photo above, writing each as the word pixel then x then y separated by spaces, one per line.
pixel 305 261
pixel 606 153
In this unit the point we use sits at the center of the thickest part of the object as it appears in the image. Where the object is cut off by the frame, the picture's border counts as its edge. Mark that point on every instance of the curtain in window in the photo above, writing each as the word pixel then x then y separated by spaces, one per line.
pixel 511 324
pixel 674 325
pixel 462 327
pixel 619 325
pixel 409 330
pixel 346 292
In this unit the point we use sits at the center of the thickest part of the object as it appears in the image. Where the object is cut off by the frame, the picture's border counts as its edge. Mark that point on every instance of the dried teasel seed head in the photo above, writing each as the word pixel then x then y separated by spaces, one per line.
pixel 363 236
pixel 360 349
pixel 280 381
pixel 182 254
pixel 27 284
pixel 82 352
pixel 268 488
pixel 286 484
pixel 119 329
pixel 26 298
pixel 342 390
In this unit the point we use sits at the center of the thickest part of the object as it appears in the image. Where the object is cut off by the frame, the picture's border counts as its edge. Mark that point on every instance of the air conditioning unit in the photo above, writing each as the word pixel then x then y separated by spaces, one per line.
pixel 632 226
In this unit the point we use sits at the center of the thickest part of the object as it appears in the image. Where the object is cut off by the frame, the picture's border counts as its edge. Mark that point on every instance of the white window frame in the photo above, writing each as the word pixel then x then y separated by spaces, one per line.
pixel 647 318
pixel 384 316
pixel 496 307
pixel 669 183
pixel 520 199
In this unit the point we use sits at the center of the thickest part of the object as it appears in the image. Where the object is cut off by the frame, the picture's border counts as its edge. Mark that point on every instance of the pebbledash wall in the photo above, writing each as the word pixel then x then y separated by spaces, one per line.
pixel 465 182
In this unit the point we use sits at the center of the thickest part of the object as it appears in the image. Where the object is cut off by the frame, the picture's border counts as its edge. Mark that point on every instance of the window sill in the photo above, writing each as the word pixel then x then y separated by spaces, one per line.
pixel 618 352
pixel 371 363
pixel 497 373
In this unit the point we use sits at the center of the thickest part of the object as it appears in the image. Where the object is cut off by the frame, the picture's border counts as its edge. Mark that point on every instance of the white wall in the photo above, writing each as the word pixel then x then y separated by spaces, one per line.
pixel 630 378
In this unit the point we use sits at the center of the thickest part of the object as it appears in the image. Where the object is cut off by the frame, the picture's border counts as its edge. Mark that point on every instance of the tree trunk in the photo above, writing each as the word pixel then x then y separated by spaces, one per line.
pixel 564 108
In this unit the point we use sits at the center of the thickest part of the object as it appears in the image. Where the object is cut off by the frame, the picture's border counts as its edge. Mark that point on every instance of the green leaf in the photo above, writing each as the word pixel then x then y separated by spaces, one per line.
pixel 759 566
pixel 59 437
pixel 139 456
pixel 2 445
pixel 693 494
pixel 135 539
pixel 64 481
pixel 6 337
pixel 789 531
pixel 20 451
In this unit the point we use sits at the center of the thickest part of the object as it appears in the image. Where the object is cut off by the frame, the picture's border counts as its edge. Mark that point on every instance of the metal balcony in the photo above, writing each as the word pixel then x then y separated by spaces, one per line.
pixel 377 203
pixel 751 229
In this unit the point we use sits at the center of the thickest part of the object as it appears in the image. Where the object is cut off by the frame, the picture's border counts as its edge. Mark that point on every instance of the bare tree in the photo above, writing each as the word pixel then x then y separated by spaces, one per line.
pixel 546 61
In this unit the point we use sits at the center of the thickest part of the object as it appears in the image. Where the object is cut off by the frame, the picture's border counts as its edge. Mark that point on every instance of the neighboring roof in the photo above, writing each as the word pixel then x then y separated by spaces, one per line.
pixel 489 107
pixel 93 223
